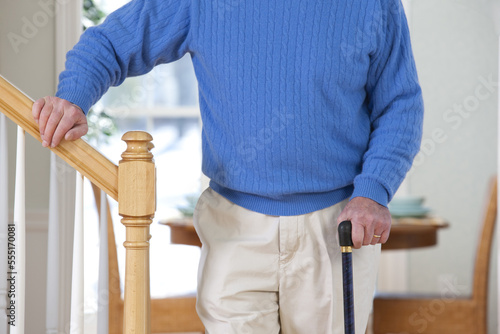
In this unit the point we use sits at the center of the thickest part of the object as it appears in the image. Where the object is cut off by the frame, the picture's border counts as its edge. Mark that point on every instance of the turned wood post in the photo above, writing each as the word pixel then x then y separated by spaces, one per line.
pixel 137 205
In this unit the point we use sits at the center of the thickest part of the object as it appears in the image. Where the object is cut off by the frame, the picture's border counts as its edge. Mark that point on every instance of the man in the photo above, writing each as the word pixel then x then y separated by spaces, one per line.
pixel 312 114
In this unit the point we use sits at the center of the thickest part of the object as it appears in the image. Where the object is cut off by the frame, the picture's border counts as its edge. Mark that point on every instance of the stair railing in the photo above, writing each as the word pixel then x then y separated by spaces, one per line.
pixel 132 183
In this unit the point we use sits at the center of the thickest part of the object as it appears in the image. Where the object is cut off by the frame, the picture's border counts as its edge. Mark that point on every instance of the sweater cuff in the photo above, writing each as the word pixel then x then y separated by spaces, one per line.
pixel 77 99
pixel 369 188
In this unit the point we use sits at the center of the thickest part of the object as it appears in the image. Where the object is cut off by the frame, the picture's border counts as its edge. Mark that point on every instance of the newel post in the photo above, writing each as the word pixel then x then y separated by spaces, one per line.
pixel 137 205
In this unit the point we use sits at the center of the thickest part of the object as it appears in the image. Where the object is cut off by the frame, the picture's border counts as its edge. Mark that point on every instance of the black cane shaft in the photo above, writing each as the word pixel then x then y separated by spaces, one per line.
pixel 345 241
pixel 348 293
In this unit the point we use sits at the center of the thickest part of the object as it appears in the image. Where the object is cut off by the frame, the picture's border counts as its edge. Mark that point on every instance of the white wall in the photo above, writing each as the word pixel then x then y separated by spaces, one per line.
pixel 31 68
pixel 456 49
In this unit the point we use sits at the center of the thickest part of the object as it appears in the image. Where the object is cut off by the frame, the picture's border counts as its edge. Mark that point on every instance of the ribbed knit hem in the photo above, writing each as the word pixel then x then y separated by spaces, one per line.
pixel 369 188
pixel 286 205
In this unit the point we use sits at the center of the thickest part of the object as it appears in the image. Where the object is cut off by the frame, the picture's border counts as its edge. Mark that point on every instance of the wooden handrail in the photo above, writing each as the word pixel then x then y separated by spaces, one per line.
pixel 135 177
pixel 78 154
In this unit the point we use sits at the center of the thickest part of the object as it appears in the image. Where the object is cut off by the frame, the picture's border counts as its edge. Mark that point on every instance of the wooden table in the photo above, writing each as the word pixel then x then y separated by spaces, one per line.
pixel 182 232
pixel 406 233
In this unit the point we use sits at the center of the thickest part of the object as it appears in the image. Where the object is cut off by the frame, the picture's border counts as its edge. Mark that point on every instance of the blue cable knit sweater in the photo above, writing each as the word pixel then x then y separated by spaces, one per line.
pixel 304 102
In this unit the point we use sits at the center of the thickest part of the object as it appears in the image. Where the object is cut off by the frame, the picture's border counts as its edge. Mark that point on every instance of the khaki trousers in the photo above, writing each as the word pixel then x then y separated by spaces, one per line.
pixel 264 274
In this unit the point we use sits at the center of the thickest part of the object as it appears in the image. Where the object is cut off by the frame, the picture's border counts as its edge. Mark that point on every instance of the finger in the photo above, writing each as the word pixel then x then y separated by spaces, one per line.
pixel 375 239
pixel 357 235
pixel 385 236
pixel 73 125
pixel 53 122
pixel 77 132
pixel 44 115
pixel 64 125
pixel 368 236
pixel 37 108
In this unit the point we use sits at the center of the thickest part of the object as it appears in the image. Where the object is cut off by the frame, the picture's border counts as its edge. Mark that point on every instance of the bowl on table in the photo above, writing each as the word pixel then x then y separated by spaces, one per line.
pixel 408 206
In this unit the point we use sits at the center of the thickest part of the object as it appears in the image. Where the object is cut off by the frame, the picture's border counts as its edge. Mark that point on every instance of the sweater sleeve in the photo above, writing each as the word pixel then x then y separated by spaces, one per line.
pixel 130 42
pixel 395 102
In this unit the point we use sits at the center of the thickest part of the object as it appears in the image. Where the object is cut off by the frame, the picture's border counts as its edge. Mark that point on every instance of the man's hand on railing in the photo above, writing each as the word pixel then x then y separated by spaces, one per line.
pixel 58 119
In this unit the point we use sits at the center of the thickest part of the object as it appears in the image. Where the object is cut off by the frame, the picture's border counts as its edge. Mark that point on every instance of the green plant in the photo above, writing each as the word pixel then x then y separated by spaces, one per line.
pixel 92 14
pixel 188 209
pixel 101 126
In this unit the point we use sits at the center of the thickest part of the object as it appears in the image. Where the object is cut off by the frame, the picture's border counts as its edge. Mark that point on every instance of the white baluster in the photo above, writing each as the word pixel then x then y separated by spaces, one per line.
pixel 103 283
pixel 76 326
pixel 60 245
pixel 4 220
pixel 52 316
pixel 18 272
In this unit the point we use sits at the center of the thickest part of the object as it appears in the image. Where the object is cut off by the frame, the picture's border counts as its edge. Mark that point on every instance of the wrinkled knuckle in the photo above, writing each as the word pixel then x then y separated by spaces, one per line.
pixel 65 104
pixel 58 112
pixel 74 112
pixel 51 100
pixel 39 102
pixel 357 215
pixel 59 104
pixel 366 219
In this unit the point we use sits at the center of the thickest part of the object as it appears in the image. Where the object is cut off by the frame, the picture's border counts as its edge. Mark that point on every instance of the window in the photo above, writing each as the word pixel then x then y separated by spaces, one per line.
pixel 163 103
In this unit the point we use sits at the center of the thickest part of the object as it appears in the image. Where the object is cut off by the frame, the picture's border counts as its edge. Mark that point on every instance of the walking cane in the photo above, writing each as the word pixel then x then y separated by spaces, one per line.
pixel 345 241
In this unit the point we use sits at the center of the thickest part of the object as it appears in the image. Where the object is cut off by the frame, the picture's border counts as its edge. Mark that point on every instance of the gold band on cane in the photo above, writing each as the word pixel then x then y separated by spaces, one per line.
pixel 346 249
